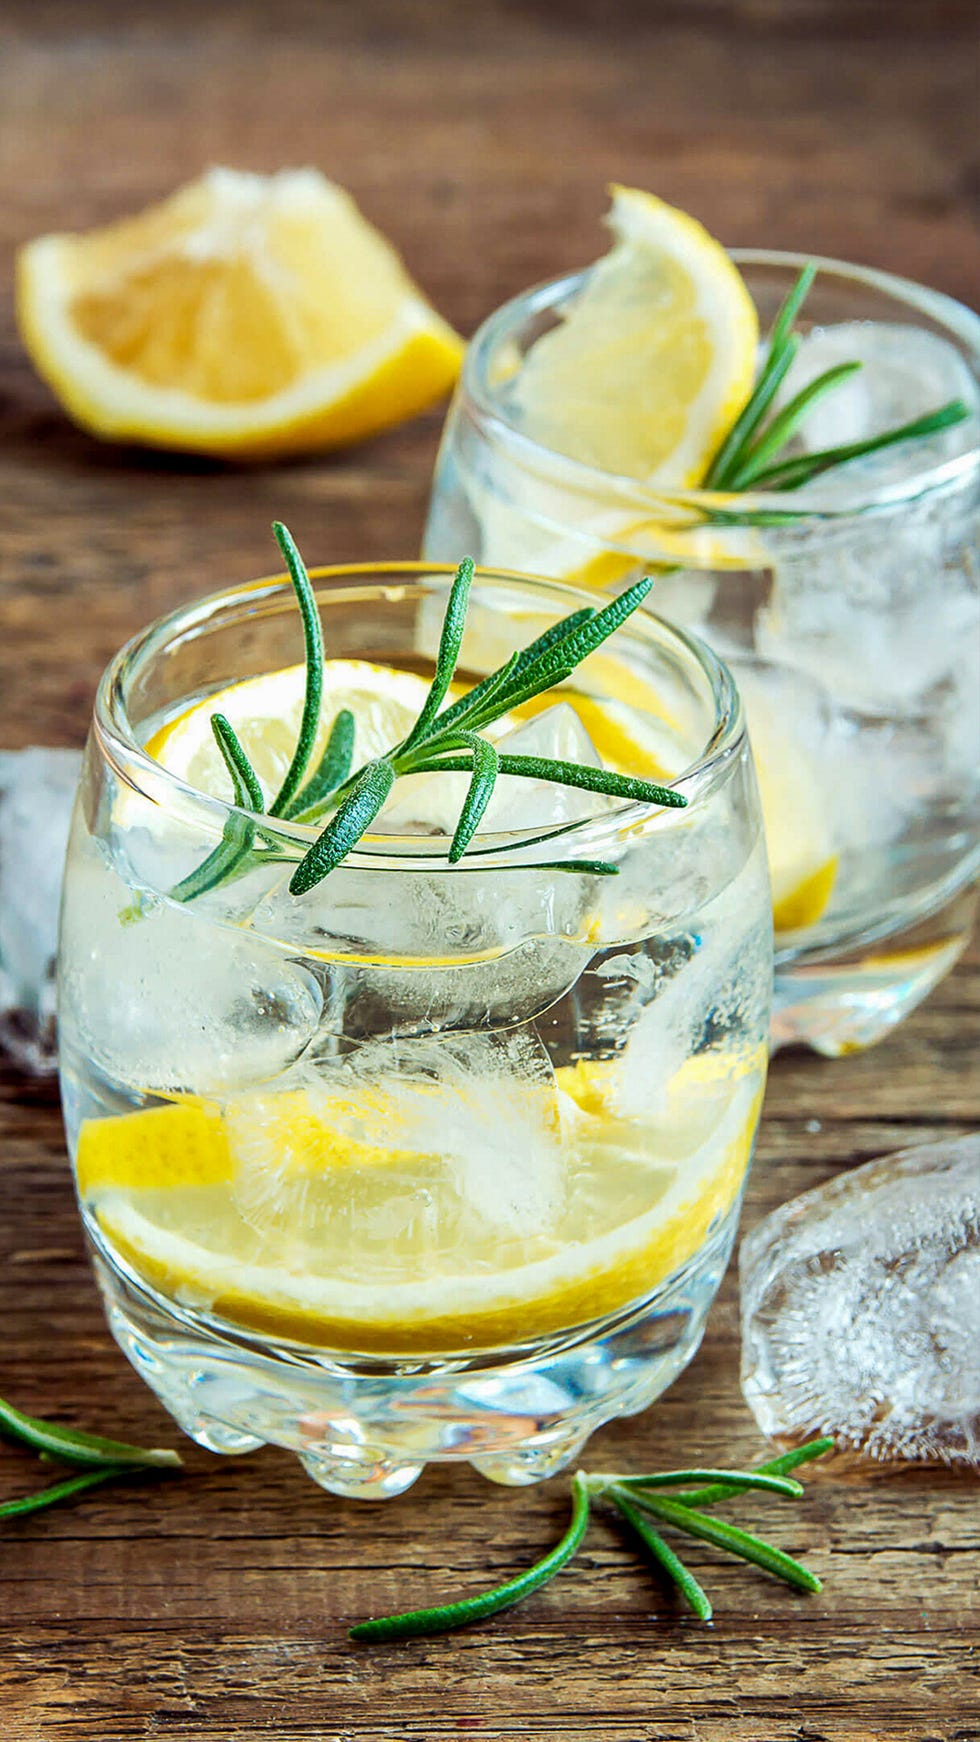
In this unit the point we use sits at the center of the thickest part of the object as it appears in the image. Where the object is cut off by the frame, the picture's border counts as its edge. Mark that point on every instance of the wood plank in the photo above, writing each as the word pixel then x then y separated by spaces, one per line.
pixel 214 1606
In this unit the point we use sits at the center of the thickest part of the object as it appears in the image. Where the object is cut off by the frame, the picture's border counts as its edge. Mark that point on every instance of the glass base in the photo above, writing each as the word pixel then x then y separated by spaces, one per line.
pixel 366 1428
pixel 844 1003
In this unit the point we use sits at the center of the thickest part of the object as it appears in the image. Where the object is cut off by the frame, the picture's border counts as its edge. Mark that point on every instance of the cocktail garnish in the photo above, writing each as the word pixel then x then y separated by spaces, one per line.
pixel 442 740
pixel 98 1460
pixel 639 1501
pixel 750 456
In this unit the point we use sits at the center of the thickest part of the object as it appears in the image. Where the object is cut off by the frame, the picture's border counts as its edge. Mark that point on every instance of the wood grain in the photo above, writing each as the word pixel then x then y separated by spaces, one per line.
pixel 215 1606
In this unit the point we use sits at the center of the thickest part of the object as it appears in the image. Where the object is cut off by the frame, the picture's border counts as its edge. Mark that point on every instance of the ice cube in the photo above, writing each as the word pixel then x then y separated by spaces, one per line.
pixel 430 804
pixel 882 611
pixel 905 372
pixel 163 999
pixel 37 788
pixel 486 1104
pixel 861 1308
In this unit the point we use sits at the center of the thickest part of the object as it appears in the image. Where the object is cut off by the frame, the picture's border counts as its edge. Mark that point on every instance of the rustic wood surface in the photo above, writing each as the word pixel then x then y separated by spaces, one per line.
pixel 480 139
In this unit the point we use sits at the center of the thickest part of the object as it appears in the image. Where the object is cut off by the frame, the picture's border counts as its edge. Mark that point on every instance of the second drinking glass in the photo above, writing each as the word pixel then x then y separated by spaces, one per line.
pixel 850 614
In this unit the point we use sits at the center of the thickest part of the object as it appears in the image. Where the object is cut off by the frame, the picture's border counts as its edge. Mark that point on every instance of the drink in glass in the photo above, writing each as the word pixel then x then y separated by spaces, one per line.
pixel 435 1160
pixel 849 609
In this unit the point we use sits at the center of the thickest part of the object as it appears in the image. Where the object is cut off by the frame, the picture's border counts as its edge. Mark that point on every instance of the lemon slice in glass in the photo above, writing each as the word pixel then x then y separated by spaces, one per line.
pixel 363 1221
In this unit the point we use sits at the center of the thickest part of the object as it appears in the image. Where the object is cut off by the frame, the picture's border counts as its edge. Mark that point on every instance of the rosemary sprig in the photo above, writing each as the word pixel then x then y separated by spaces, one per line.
pixel 58 1491
pixel 752 455
pixel 72 1446
pixel 444 1617
pixel 633 1497
pixel 444 739
pixel 97 1459
pixel 448 740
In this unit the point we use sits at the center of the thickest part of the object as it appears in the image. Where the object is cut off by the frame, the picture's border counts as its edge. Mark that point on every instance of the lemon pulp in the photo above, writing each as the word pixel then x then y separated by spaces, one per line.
pixel 380 1218
pixel 247 315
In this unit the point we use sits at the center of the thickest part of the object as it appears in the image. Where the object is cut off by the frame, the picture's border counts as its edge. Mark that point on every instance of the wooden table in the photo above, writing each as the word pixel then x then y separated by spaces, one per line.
pixel 480 140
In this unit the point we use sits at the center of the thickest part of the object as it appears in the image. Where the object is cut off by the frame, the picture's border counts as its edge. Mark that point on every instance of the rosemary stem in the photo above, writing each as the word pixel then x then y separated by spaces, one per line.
pixel 443 1617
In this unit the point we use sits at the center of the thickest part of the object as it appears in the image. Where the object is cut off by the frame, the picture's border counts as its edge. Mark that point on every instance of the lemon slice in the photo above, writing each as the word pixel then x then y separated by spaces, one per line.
pixel 266 711
pixel 321 1218
pixel 247 315
pixel 803 859
pixel 656 357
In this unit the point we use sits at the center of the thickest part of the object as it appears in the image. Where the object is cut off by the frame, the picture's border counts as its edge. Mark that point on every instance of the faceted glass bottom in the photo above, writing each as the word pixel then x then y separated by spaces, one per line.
pixel 845 1003
pixel 366 1428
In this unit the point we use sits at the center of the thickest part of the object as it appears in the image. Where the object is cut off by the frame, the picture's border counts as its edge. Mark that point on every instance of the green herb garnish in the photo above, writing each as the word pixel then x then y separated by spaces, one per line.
pixel 639 1501
pixel 442 740
pixel 749 457
pixel 99 1460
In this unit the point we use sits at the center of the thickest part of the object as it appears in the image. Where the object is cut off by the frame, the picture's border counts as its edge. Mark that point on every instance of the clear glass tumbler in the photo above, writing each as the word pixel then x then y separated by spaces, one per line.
pixel 435 1161
pixel 850 614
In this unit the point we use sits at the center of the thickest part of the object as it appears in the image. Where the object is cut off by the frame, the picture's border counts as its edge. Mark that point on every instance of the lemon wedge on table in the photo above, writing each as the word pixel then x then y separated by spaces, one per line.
pixel 653 362
pixel 246 316
pixel 365 1240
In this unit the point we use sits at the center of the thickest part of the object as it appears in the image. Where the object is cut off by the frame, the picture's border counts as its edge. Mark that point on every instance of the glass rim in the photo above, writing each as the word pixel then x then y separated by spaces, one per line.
pixel 960 321
pixel 122 748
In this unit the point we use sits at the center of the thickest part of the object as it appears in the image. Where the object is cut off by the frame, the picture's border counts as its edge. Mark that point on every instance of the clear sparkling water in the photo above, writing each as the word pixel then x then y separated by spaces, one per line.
pixel 411 1067
pixel 861 1308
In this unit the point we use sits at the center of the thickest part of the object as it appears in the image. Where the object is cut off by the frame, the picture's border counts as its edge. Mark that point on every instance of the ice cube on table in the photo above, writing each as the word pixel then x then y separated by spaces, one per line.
pixel 430 804
pixel 37 789
pixel 905 372
pixel 861 1308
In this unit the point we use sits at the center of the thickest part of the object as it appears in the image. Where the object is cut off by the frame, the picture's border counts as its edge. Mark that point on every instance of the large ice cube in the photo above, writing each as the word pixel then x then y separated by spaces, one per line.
pixel 905 372
pixel 861 1308
pixel 36 792
pixel 430 804
pixel 482 1107
pixel 166 999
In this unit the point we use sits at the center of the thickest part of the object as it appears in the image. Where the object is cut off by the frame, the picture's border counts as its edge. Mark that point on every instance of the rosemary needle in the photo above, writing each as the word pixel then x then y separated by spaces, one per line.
pixel 72 1446
pixel 444 1617
pixel 636 1498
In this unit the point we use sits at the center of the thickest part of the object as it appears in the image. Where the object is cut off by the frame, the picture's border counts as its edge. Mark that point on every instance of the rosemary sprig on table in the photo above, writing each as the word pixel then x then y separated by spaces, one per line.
pixel 444 739
pixel 97 1460
pixel 640 1502
pixel 752 456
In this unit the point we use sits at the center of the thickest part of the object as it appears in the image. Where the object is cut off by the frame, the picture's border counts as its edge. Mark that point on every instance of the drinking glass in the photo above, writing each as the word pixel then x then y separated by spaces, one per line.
pixel 849 613
pixel 435 1161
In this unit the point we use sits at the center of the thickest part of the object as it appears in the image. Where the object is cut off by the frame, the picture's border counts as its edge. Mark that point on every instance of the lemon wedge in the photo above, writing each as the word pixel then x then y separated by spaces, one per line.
pixel 656 357
pixel 245 316
pixel 327 1218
